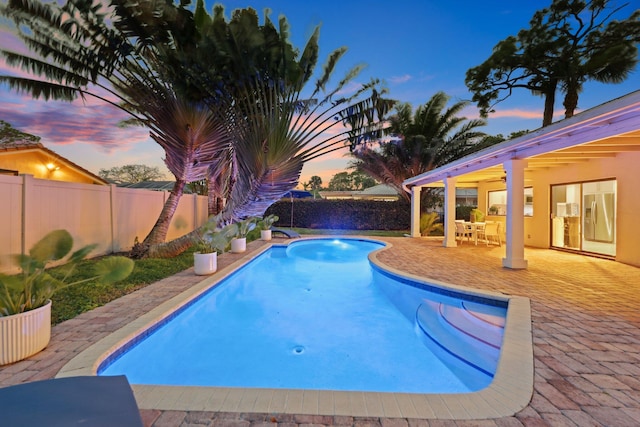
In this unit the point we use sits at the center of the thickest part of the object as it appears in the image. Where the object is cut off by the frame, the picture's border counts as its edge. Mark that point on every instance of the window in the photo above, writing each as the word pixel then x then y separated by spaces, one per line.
pixel 497 202
pixel 528 201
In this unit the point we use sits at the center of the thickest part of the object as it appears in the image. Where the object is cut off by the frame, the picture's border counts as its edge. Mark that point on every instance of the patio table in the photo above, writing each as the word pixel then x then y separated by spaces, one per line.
pixel 473 227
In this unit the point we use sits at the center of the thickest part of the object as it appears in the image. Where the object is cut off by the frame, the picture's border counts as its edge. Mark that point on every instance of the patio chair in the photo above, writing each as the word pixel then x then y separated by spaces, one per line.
pixel 73 401
pixel 491 232
pixel 462 231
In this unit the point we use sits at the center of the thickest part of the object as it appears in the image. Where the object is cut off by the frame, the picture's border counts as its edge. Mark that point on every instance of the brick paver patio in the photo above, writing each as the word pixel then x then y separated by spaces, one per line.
pixel 586 331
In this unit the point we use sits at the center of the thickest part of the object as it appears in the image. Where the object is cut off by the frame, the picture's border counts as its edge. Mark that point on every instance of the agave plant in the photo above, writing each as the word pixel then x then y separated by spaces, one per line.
pixel 34 286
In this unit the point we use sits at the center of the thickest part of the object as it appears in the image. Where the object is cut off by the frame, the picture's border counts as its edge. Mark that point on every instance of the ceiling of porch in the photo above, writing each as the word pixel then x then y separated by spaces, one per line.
pixel 608 147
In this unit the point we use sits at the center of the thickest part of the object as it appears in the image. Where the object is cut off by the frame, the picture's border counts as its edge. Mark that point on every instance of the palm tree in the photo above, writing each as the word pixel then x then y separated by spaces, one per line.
pixel 76 53
pixel 432 136
pixel 155 61
pixel 274 129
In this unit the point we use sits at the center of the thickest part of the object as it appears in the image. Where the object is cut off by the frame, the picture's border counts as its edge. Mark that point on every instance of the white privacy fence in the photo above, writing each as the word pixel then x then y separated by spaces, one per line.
pixel 110 216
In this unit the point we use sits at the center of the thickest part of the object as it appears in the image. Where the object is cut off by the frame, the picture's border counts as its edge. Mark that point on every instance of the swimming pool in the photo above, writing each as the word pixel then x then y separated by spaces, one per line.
pixel 316 315
pixel 508 393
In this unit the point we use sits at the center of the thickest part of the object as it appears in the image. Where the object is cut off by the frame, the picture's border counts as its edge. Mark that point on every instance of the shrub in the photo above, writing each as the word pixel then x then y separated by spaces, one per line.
pixel 342 214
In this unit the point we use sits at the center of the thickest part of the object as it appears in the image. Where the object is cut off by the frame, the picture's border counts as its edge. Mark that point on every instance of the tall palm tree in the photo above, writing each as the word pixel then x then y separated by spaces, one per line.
pixel 432 136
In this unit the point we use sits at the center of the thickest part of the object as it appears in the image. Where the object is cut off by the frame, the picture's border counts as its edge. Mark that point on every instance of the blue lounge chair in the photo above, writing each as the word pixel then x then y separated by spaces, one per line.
pixel 290 234
pixel 67 402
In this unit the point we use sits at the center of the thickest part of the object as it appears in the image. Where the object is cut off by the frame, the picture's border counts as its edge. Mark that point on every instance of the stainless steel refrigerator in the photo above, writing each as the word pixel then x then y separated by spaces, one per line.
pixel 599 217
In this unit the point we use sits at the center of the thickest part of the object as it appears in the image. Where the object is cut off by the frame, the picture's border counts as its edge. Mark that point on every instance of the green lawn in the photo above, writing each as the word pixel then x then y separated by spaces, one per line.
pixel 74 300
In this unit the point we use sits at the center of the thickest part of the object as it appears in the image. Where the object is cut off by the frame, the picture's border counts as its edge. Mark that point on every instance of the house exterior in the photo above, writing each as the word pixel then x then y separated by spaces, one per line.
pixel 24 157
pixel 569 186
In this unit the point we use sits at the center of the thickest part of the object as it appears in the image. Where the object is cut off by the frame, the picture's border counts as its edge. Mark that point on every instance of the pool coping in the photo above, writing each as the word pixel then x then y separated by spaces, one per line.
pixel 509 392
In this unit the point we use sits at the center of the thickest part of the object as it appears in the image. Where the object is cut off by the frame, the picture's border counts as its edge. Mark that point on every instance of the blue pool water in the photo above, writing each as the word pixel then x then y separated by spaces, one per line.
pixel 317 315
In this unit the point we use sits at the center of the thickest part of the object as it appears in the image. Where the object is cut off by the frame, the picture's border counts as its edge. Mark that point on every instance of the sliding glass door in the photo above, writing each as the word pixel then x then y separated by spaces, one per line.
pixel 583 217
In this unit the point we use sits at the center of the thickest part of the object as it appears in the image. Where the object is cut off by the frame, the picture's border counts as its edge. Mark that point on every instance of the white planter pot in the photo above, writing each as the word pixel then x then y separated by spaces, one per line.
pixel 25 334
pixel 239 245
pixel 205 264
pixel 265 234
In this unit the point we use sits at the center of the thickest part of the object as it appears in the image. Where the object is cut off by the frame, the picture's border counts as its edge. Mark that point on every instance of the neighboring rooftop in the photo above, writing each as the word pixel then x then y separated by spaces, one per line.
pixel 47 159
pixel 377 192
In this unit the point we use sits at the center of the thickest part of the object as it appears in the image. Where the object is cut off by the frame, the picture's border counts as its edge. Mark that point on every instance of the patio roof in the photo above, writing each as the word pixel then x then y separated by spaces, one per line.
pixel 602 131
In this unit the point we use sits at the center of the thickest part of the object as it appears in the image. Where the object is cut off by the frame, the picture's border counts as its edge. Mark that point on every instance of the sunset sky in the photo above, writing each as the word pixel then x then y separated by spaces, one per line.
pixel 417 47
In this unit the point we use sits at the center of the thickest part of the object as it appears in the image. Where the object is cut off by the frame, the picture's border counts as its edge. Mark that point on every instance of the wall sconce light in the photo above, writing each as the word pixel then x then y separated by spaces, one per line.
pixel 52 167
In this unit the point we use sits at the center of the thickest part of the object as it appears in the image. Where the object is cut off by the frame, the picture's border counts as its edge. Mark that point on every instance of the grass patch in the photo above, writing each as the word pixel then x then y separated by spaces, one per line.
pixel 74 300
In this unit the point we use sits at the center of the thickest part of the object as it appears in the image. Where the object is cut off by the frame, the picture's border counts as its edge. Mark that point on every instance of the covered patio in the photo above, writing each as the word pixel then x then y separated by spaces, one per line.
pixel 596 146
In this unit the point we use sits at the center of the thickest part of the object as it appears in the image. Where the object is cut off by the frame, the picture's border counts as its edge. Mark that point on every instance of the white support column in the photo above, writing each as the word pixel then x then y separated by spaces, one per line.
pixel 415 211
pixel 514 257
pixel 449 213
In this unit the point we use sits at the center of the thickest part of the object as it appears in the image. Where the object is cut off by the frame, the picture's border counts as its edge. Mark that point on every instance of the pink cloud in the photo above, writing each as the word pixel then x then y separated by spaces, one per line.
pixel 471 112
pixel 517 113
pixel 62 123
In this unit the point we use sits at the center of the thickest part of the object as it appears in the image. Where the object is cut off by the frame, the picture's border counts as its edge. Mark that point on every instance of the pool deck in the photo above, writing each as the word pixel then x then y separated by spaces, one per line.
pixel 585 323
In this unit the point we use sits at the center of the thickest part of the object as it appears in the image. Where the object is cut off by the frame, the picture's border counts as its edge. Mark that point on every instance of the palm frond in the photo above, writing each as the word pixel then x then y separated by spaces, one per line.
pixel 39 89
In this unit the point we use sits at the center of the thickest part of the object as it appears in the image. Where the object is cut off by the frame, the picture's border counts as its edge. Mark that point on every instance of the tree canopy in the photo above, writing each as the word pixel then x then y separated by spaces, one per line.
pixel 131 173
pixel 350 181
pixel 8 134
pixel 568 43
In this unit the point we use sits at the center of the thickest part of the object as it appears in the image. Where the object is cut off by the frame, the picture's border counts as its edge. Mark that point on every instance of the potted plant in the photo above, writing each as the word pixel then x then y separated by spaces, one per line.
pixel 25 298
pixel 214 241
pixel 239 242
pixel 476 215
pixel 265 226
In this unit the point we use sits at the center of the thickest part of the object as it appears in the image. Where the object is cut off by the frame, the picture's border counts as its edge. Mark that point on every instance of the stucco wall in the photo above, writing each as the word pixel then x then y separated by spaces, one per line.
pixel 625 168
pixel 35 163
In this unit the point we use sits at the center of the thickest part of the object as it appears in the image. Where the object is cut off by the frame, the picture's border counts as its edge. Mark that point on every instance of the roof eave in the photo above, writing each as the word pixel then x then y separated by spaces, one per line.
pixel 612 118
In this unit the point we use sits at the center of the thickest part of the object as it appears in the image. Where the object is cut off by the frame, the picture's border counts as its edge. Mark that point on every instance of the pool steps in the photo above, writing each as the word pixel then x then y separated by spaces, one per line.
pixel 468 338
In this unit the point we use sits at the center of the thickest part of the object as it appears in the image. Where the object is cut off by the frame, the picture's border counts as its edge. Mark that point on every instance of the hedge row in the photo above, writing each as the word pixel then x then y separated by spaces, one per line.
pixel 342 214
pixel 348 214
